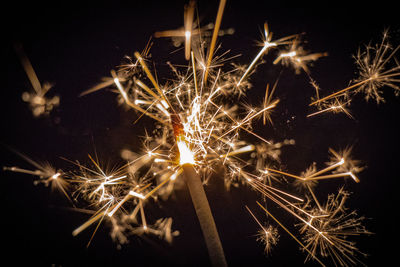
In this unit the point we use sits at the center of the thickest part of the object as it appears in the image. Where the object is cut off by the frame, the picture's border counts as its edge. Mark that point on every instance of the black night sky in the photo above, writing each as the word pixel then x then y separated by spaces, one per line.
pixel 74 44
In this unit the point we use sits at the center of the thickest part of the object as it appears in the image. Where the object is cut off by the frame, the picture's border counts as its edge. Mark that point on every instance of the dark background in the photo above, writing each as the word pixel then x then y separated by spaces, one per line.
pixel 74 44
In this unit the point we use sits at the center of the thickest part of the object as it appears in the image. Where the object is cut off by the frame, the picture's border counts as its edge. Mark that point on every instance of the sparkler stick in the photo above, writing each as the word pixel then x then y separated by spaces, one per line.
pixel 204 215
pixel 198 195
pixel 199 198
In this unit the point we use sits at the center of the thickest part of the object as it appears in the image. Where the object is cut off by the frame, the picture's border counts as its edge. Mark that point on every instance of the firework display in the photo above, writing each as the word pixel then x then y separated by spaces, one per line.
pixel 201 129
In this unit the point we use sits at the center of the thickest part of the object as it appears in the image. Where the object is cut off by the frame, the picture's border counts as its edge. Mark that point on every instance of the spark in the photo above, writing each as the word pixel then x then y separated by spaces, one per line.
pixel 218 20
pixel 47 174
pixel 38 102
pixel 335 107
pixel 189 12
pixel 268 235
pixel 336 224
pixel 267 44
pixel 298 57
pixel 187 31
pixel 267 102
pixel 293 236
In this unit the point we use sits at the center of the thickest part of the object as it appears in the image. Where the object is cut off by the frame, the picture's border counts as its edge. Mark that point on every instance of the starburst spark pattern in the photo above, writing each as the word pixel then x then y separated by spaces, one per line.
pixel 374 69
pixel 378 68
pixel 196 111
pixel 335 225
pixel 267 235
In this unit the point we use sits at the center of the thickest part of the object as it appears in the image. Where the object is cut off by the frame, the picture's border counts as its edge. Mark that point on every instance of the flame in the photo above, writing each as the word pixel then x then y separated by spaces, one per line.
pixel 186 155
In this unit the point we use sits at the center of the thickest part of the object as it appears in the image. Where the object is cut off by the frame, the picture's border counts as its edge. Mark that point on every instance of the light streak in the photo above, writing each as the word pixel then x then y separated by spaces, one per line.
pixel 267 44
pixel 30 72
pixel 298 58
pixel 38 102
pixel 189 12
pixel 336 107
pixel 218 20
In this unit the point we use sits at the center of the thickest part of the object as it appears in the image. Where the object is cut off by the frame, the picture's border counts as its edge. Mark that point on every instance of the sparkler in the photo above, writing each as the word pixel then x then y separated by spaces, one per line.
pixel 199 131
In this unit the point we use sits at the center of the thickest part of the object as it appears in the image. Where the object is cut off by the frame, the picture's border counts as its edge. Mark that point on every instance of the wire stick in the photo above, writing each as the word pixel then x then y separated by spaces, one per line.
pixel 204 215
